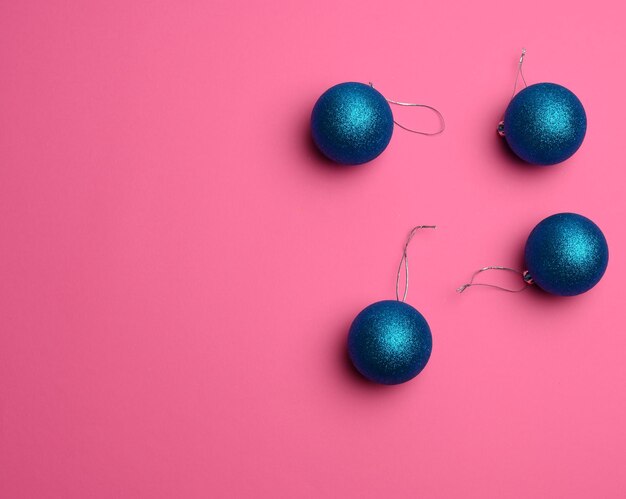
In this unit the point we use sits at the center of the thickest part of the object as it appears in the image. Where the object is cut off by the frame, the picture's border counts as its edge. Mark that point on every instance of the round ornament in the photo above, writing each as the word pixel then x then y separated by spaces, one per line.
pixel 566 254
pixel 389 342
pixel 544 124
pixel 351 123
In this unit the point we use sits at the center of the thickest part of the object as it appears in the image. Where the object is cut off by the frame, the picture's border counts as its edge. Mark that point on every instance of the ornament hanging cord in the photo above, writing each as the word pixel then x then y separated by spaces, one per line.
pixel 527 280
pixel 520 72
pixel 442 121
pixel 405 260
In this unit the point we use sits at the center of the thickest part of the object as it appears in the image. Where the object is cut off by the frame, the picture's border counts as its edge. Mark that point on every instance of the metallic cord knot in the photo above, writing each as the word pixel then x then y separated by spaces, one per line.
pixel 528 279
pixel 501 128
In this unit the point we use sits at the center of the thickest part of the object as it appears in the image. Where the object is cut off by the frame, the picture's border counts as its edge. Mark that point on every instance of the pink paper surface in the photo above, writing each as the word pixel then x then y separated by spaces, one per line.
pixel 179 266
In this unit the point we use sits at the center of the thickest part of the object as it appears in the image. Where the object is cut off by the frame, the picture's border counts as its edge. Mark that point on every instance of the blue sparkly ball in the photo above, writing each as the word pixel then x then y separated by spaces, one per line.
pixel 351 123
pixel 566 254
pixel 545 124
pixel 389 342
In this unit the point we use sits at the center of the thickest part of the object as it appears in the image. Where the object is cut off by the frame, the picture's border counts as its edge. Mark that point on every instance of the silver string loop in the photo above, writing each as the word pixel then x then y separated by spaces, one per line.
pixel 519 73
pixel 525 276
pixel 442 121
pixel 405 260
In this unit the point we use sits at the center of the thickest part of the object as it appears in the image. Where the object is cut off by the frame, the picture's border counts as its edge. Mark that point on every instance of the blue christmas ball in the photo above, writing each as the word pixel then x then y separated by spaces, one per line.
pixel 566 254
pixel 545 124
pixel 351 123
pixel 389 342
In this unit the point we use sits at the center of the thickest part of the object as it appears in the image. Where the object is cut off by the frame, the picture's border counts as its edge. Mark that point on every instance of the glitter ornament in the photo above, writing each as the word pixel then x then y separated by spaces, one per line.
pixel 566 254
pixel 544 123
pixel 352 123
pixel 390 341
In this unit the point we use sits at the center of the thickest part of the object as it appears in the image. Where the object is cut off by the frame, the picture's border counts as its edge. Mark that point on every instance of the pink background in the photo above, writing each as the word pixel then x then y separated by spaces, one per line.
pixel 179 267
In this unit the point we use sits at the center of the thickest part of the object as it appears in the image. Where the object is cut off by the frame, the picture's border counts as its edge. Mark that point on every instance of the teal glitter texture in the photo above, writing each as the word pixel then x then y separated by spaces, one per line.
pixel 545 124
pixel 351 123
pixel 566 254
pixel 389 342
